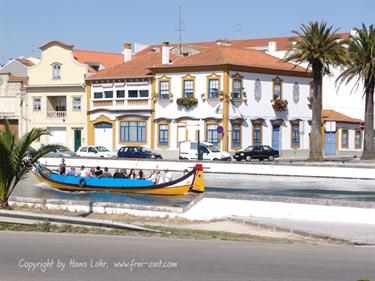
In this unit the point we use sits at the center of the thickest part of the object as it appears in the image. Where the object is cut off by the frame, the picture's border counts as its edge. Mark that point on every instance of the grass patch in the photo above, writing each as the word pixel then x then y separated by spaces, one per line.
pixel 186 233
pixel 165 232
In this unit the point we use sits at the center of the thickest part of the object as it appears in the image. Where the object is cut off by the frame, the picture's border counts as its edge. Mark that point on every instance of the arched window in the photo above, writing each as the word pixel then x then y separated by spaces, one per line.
pixel 56 71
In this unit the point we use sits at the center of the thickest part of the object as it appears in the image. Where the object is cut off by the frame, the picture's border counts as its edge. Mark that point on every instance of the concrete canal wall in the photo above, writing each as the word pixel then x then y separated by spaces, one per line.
pixel 208 209
pixel 299 170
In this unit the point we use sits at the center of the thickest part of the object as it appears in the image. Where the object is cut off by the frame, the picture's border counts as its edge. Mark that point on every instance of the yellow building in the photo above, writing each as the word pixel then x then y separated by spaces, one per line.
pixel 56 91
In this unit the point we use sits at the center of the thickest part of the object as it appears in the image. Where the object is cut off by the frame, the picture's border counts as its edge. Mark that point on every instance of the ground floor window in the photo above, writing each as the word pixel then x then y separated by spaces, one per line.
pixel 236 135
pixel 344 138
pixel 133 131
pixel 163 135
pixel 211 134
pixel 257 134
pixel 295 136
pixel 358 139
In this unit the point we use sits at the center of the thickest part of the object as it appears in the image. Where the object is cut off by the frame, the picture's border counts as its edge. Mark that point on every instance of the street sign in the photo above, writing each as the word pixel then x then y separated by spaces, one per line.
pixel 362 126
pixel 220 129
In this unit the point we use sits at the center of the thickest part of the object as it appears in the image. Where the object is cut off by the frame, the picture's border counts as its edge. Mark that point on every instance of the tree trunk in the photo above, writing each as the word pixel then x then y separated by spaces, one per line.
pixel 368 142
pixel 316 124
pixel 4 205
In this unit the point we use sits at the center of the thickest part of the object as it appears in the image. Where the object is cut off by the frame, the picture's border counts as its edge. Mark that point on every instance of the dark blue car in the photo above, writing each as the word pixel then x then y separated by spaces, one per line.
pixel 137 152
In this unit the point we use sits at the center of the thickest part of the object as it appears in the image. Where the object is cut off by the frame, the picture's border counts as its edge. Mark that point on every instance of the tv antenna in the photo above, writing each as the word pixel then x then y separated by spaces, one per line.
pixel 238 30
pixel 180 23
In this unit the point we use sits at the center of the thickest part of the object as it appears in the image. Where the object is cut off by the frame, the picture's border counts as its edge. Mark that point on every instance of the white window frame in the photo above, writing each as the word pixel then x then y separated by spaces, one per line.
pixel 77 107
pixel 56 71
pixel 39 108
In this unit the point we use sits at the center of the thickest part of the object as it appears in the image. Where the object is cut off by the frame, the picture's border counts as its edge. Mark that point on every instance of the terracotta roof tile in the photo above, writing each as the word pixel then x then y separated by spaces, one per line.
pixel 25 61
pixel 282 43
pixel 104 58
pixel 56 42
pixel 222 55
pixel 332 115
pixel 137 67
pixel 24 80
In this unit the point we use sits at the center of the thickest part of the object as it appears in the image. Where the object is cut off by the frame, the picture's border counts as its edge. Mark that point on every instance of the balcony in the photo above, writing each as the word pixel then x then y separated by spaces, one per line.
pixel 56 114
pixel 56 107
pixel 121 104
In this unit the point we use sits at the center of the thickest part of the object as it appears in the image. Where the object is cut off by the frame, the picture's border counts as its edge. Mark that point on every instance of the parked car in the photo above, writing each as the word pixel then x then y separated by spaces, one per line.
pixel 137 152
pixel 95 151
pixel 260 152
pixel 63 152
pixel 188 151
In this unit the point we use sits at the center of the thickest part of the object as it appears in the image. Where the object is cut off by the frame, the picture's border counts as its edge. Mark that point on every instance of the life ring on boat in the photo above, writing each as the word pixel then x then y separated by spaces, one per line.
pixel 82 182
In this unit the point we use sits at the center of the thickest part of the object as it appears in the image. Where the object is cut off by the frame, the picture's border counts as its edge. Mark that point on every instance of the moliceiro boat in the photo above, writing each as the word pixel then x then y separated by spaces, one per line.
pixel 192 181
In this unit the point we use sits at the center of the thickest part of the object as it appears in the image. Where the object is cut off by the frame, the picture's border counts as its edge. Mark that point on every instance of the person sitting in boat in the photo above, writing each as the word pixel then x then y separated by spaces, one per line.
pixel 91 173
pixel 125 173
pixel 140 175
pixel 62 167
pixel 132 175
pixel 98 171
pixel 106 173
pixel 118 174
pixel 167 175
pixel 155 177
pixel 72 172
pixel 82 172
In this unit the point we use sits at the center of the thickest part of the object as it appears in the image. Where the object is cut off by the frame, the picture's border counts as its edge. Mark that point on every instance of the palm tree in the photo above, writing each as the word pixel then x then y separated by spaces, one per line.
pixel 361 68
pixel 318 46
pixel 14 160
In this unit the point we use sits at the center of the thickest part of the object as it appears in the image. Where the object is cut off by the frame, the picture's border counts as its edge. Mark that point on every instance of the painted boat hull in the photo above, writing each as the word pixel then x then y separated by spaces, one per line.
pixel 192 181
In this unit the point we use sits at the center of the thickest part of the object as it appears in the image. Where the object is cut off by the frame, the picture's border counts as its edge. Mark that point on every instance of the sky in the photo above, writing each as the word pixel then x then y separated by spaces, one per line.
pixel 105 25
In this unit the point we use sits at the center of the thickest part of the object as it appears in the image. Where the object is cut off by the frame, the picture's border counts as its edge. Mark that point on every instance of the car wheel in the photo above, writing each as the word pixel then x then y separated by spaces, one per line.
pixel 271 158
pixel 248 158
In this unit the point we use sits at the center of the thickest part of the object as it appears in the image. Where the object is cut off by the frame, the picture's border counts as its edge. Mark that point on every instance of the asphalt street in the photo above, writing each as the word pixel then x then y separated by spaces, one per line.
pixel 46 256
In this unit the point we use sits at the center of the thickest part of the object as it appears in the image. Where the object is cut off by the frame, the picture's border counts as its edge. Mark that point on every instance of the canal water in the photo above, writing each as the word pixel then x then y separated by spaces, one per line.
pixel 232 185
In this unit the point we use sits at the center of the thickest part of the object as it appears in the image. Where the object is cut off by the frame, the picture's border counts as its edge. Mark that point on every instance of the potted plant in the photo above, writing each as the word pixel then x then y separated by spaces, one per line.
pixel 279 104
pixel 187 102
pixel 221 94
pixel 244 97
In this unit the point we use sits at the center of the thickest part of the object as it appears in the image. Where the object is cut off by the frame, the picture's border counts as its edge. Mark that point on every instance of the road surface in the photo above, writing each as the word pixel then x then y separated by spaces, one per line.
pixel 46 256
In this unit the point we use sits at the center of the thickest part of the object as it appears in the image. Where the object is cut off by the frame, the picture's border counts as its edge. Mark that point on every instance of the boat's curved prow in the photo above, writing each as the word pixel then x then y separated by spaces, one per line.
pixel 198 183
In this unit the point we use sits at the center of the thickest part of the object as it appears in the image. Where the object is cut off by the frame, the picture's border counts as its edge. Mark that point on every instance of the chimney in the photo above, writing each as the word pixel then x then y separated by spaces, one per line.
pixel 272 47
pixel 223 42
pixel 127 52
pixel 165 53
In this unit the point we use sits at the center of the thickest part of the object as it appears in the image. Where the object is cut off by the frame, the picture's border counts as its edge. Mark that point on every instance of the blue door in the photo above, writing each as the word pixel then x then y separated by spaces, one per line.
pixel 276 137
pixel 330 143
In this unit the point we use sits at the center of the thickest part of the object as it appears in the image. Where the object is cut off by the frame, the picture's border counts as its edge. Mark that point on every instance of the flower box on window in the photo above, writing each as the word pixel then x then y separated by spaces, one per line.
pixel 187 102
pixel 279 104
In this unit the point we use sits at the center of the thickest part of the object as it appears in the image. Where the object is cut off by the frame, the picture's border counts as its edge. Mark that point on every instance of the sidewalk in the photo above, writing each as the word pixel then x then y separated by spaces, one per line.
pixel 359 234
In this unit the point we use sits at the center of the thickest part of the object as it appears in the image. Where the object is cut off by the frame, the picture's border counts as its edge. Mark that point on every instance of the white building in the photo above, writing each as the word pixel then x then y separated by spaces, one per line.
pixel 234 89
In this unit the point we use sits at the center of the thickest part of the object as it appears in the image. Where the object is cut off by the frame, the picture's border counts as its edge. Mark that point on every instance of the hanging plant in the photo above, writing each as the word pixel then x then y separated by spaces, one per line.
pixel 279 104
pixel 187 102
